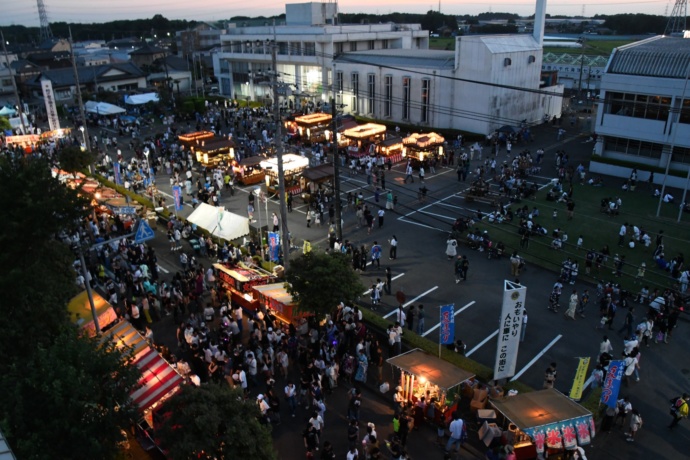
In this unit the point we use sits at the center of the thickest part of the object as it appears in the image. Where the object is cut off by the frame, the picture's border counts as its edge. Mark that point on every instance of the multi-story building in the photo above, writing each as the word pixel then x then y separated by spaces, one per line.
pixel 305 46
pixel 644 109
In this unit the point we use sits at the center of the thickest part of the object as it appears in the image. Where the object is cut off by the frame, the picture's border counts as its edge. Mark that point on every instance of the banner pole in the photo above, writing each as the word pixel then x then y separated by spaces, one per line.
pixel 440 336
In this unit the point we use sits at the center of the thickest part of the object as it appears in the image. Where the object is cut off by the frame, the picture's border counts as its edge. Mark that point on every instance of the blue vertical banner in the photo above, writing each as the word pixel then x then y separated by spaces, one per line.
pixel 273 246
pixel 117 173
pixel 612 383
pixel 177 195
pixel 447 334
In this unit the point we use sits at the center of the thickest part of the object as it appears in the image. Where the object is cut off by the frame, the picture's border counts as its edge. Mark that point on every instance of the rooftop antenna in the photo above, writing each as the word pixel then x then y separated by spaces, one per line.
pixel 46 33
pixel 677 21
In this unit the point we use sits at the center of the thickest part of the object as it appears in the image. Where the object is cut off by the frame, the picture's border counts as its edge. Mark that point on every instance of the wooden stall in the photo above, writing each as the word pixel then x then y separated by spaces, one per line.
pixel 214 151
pixel 362 139
pixel 248 171
pixel 79 309
pixel 312 128
pixel 391 148
pixel 239 281
pixel 277 302
pixel 419 147
pixel 318 177
pixel 293 165
pixel 195 138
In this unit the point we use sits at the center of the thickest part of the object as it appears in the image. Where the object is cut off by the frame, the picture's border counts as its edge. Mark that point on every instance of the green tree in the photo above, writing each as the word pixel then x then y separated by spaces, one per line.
pixel 213 421
pixel 36 275
pixel 74 159
pixel 319 281
pixel 5 124
pixel 69 400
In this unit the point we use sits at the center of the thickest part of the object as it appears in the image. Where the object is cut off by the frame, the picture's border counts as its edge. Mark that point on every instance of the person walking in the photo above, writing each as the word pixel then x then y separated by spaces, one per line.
pixel 420 320
pixel 572 305
pixel 465 267
pixel 411 313
pixel 456 428
pixel 458 269
pixel 635 424
pixel 679 409
pixel 515 264
pixel 523 330
pixel 550 376
pixel 408 173
pixel 376 254
pixel 451 248
pixel 389 280
pixel 393 253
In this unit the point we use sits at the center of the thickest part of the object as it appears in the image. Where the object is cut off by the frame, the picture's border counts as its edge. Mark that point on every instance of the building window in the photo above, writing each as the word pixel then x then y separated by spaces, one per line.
pixel 426 91
pixel 295 49
pixel 339 48
pixel 355 92
pixel 531 59
pixel 283 48
pixel 507 62
pixel 638 105
pixel 372 44
pixel 406 83
pixel 685 112
pixel 384 44
pixel 633 147
pixel 388 97
pixel 339 81
pixel 353 46
pixel 681 155
pixel 371 92
pixel 310 49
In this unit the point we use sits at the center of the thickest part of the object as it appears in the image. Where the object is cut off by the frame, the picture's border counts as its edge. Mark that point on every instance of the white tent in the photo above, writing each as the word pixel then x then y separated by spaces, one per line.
pixel 220 223
pixel 16 122
pixel 7 111
pixel 138 99
pixel 103 108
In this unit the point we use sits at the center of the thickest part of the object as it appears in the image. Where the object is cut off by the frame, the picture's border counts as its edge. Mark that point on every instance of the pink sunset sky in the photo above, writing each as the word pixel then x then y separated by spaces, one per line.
pixel 25 11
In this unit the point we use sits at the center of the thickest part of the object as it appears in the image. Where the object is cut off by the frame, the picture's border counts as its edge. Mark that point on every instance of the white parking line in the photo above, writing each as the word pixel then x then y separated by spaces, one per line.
pixel 420 224
pixel 160 267
pixel 443 216
pixel 389 314
pixel 392 279
pixel 457 312
pixel 480 344
pixel 534 360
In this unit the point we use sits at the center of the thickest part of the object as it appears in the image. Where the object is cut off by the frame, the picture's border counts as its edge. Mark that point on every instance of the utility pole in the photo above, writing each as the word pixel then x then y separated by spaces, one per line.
pixel 336 172
pixel 583 41
pixel 20 109
pixel 80 101
pixel 279 154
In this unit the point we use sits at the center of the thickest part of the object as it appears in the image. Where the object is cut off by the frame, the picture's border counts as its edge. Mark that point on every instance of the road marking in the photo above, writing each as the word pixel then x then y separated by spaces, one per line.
pixel 457 312
pixel 420 224
pixel 160 267
pixel 412 301
pixel 169 196
pixel 481 344
pixel 392 279
pixel 534 360
pixel 443 216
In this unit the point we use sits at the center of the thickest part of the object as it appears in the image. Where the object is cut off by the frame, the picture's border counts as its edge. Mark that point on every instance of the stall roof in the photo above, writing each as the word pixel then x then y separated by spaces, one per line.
pixel 424 139
pixel 275 291
pixel 391 141
pixel 102 108
pixel 252 161
pixel 318 173
pixel 219 223
pixel 435 370
pixel 365 130
pixel 291 162
pixel 79 310
pixel 347 124
pixel 314 118
pixel 158 377
pixel 196 135
pixel 539 408
pixel 138 99
pixel 211 145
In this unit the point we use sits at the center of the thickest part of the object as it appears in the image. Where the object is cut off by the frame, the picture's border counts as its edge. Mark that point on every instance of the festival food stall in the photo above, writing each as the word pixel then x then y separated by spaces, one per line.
pixel 310 128
pixel 27 142
pixel 248 171
pixel 293 165
pixel 362 139
pixel 419 147
pixel 79 309
pixel 391 148
pixel 214 151
pixel 239 281
pixel 543 421
pixel 425 375
pixel 159 379
pixel 316 178
pixel 277 302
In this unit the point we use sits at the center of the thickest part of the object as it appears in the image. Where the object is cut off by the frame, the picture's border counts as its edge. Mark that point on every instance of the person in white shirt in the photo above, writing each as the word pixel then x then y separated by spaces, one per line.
pixel 605 346
pixel 290 396
pixel 455 428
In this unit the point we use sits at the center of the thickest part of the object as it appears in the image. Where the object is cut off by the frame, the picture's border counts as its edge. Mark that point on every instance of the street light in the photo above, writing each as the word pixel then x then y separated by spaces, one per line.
pixel 83 135
pixel 257 194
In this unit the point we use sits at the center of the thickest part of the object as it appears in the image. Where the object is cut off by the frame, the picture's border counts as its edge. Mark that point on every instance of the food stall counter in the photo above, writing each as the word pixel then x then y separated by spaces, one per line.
pixel 79 310
pixel 420 146
pixel 239 282
pixel 248 171
pixel 277 301
pixel 293 165
pixel 211 152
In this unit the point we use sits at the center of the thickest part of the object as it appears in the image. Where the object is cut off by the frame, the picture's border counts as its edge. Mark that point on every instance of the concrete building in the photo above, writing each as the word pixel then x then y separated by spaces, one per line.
pixel 644 109
pixel 486 83
pixel 575 70
pixel 203 37
pixel 306 45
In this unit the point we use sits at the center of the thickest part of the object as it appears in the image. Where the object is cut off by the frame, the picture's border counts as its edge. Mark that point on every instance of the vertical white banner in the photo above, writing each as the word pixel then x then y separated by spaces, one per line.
pixel 51 109
pixel 509 329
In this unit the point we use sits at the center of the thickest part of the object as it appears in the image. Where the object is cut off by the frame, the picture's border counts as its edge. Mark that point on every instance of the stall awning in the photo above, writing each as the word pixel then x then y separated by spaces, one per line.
pixel 212 145
pixel 138 99
pixel 252 161
pixel 158 377
pixel 102 108
pixel 219 223
pixel 291 164
pixel 314 119
pixel 540 413
pixel 318 173
pixel 424 140
pixel 275 291
pixel 79 310
pixel 391 141
pixel 365 131
pixel 437 371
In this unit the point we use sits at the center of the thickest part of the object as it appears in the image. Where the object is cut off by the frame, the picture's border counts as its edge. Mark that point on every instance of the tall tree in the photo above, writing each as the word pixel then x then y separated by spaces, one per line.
pixel 319 281
pixel 213 421
pixel 70 399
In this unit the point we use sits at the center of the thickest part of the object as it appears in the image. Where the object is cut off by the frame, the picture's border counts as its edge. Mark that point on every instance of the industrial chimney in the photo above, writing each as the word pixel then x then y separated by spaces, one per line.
pixel 539 22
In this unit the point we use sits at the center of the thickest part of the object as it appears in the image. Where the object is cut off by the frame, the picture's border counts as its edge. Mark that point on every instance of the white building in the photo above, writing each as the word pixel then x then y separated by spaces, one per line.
pixel 576 70
pixel 306 45
pixel 486 83
pixel 644 113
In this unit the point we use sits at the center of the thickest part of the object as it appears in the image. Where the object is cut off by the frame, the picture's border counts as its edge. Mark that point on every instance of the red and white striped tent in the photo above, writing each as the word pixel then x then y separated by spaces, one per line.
pixel 159 379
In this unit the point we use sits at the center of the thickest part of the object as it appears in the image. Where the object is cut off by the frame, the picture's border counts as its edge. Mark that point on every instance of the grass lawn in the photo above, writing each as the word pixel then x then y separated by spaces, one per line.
pixel 593 48
pixel 598 229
